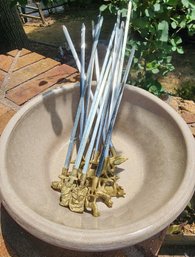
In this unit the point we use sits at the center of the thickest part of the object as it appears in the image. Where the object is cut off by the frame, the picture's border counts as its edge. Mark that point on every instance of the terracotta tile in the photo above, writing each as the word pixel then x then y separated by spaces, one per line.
pixel 29 72
pixel 5 62
pixel 24 52
pixel 27 59
pixel 2 76
pixel 5 115
pixel 26 91
pixel 4 109
pixel 4 119
pixel 13 52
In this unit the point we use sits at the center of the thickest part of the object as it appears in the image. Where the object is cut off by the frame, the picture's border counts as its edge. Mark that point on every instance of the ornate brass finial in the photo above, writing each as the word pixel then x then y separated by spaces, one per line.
pixel 81 192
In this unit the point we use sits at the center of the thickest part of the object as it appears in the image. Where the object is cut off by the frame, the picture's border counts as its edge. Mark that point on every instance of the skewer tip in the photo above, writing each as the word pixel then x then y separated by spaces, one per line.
pixel 83 26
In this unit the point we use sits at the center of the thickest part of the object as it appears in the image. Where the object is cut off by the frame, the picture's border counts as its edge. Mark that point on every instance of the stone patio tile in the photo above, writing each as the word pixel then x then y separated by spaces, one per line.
pixel 26 91
pixel 187 105
pixel 29 72
pixel 192 128
pixel 188 116
pixel 27 59
pixel 5 62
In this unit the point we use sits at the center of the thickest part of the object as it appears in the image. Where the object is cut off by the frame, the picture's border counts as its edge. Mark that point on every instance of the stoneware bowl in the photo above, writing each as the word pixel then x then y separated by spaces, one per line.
pixel 158 177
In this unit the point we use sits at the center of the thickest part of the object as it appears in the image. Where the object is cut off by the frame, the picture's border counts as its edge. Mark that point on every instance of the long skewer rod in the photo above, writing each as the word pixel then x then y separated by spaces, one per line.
pixel 98 93
pixel 101 129
pixel 72 48
pixel 97 67
pixel 100 116
pixel 104 153
pixel 119 96
pixel 95 130
pixel 73 133
pixel 91 64
pixel 82 80
pixel 95 103
pixel 124 81
pixel 115 75
pixel 76 122
pixel 90 119
pixel 125 40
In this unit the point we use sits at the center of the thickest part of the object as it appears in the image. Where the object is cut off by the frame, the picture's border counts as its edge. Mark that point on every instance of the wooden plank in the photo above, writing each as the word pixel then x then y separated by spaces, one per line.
pixel 180 239
pixel 29 72
pixel 27 60
pixel 28 90
pixel 30 16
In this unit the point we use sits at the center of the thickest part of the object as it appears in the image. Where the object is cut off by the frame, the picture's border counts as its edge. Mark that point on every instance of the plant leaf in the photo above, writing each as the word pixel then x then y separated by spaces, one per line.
pixel 185 3
pixel 156 7
pixel 163 26
pixel 173 24
pixel 180 50
pixel 174 229
pixel 103 7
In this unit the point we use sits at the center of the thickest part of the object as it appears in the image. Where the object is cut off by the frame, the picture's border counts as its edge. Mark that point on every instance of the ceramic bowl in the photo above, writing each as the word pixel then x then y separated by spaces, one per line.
pixel 158 177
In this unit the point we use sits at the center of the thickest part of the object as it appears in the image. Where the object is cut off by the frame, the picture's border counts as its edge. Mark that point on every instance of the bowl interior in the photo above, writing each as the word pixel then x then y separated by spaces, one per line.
pixel 144 132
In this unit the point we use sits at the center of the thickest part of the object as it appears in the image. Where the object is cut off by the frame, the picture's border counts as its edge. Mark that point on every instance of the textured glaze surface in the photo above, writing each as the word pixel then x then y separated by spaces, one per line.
pixel 158 177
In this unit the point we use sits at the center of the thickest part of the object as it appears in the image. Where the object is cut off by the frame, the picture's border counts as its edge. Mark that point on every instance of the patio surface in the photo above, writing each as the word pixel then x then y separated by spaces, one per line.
pixel 23 75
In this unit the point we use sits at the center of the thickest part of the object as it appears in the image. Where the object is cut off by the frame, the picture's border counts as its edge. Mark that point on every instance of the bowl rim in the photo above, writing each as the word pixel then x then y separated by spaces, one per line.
pixel 92 240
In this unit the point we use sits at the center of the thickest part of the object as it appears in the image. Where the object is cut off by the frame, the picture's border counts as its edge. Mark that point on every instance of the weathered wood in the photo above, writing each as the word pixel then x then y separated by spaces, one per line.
pixel 179 240
pixel 30 16
pixel 40 12
pixel 36 9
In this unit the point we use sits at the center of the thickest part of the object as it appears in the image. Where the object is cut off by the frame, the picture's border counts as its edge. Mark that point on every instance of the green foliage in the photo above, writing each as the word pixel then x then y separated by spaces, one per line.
pixel 187 216
pixel 21 2
pixel 174 229
pixel 155 25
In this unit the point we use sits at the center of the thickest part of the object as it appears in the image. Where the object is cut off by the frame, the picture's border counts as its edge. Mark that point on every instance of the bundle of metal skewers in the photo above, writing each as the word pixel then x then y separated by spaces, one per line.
pixel 92 176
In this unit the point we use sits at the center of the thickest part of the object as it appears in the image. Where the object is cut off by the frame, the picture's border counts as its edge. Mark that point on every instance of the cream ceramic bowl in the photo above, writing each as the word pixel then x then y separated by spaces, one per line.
pixel 158 178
